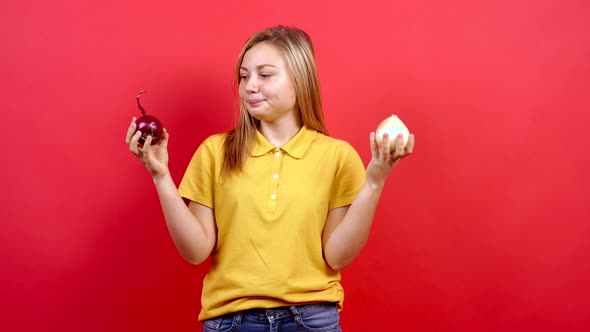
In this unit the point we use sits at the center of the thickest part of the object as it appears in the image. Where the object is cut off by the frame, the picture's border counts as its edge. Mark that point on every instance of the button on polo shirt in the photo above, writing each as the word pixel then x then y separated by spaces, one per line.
pixel 288 153
pixel 270 220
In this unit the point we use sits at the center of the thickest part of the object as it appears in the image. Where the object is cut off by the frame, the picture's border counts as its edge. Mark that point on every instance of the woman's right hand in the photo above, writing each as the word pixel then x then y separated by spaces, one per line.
pixel 154 157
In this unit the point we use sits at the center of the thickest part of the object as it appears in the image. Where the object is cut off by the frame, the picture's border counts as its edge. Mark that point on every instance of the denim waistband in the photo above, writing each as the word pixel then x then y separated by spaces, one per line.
pixel 286 311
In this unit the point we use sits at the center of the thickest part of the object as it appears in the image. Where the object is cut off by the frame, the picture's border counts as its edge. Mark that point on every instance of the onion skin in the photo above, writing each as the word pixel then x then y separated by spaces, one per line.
pixel 393 126
pixel 149 125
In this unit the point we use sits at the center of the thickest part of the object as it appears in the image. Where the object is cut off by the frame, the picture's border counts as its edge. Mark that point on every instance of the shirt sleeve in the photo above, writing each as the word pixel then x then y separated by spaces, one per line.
pixel 198 181
pixel 349 178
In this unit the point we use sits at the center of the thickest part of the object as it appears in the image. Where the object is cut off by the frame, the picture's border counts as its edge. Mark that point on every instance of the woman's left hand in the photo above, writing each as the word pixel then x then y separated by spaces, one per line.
pixel 384 158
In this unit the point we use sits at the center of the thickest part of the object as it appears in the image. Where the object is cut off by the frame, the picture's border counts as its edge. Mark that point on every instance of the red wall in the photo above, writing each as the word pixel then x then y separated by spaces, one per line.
pixel 485 228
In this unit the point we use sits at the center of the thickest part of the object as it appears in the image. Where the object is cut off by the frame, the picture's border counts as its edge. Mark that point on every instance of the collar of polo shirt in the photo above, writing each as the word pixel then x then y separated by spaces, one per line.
pixel 296 147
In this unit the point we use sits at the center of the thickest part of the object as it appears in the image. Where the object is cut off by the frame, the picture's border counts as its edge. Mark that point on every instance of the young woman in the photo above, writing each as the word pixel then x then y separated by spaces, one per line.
pixel 279 205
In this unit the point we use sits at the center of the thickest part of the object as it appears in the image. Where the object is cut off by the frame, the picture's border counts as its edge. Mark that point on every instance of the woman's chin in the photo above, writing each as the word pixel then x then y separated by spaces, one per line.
pixel 256 112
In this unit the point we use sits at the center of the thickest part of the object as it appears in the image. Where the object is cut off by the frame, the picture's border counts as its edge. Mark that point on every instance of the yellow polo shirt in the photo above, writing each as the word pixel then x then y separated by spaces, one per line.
pixel 270 220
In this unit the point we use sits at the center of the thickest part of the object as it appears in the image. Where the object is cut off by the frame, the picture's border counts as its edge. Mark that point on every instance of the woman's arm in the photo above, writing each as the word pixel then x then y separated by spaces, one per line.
pixel 347 228
pixel 192 228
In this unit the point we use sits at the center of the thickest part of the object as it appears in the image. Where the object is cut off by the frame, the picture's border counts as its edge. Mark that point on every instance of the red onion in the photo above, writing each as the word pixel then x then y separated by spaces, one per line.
pixel 148 125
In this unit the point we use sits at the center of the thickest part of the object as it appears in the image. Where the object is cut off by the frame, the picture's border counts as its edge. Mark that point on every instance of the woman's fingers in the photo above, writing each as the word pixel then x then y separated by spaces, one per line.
pixel 399 147
pixel 391 153
pixel 373 141
pixel 410 146
pixel 163 142
pixel 134 143
pixel 130 131
pixel 146 149
pixel 147 144
pixel 385 147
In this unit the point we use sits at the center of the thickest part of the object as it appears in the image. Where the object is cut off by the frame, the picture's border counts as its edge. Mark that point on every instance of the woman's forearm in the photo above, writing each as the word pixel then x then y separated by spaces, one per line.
pixel 351 233
pixel 192 239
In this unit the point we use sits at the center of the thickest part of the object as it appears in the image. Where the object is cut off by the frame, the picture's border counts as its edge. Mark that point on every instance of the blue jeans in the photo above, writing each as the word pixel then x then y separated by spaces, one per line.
pixel 322 317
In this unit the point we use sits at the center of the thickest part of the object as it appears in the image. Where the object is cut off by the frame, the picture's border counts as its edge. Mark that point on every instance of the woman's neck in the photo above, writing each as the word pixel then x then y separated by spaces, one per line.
pixel 280 132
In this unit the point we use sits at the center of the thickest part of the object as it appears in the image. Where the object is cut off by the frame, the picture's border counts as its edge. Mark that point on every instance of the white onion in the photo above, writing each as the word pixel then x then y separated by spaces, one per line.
pixel 393 126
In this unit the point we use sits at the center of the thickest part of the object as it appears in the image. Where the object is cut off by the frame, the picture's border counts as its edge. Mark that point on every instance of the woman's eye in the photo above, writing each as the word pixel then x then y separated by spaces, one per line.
pixel 265 75
pixel 243 77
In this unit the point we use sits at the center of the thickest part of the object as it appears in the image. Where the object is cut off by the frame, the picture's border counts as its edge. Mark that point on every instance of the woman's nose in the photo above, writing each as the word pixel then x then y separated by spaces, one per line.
pixel 252 84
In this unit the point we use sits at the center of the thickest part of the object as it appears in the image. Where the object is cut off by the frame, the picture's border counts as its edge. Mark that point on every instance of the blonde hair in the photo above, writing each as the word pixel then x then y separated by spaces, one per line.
pixel 296 48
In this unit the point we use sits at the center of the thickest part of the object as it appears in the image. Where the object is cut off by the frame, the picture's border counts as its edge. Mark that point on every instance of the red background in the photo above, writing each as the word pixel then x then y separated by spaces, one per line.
pixel 484 228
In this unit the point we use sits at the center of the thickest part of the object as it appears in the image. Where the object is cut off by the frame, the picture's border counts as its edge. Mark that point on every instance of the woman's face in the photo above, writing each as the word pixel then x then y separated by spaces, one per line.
pixel 265 86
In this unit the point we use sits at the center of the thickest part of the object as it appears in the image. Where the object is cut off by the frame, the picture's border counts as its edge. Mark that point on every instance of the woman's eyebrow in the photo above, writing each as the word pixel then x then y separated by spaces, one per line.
pixel 260 67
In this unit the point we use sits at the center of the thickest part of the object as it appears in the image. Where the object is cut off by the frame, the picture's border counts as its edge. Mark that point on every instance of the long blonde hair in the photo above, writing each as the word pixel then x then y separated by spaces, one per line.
pixel 297 51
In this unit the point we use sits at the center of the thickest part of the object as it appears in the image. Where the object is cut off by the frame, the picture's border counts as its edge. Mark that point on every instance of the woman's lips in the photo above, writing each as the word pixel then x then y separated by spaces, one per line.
pixel 254 102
